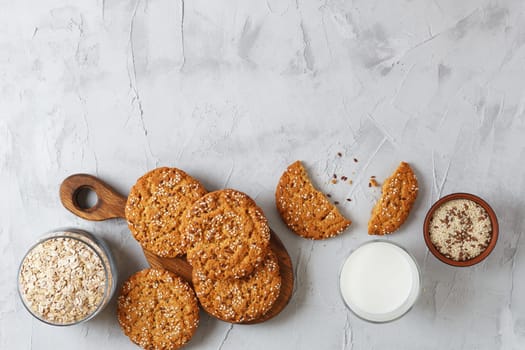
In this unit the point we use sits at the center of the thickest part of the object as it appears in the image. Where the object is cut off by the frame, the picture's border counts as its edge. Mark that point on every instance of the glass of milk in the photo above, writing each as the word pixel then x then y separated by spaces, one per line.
pixel 379 281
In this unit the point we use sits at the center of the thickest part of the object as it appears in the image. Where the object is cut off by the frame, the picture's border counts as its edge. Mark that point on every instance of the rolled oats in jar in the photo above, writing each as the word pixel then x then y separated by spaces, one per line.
pixel 67 277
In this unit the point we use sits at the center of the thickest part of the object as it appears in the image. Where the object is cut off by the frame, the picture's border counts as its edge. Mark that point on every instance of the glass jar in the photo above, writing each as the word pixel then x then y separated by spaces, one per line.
pixel 67 277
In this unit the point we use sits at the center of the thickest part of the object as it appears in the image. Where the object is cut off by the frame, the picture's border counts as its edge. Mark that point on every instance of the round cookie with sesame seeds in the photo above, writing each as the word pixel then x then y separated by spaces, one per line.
pixel 158 310
pixel 304 209
pixel 240 300
pixel 155 206
pixel 397 198
pixel 228 234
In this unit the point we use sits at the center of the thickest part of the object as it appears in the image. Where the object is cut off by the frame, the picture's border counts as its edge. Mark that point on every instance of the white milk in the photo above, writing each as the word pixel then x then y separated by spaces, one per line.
pixel 379 281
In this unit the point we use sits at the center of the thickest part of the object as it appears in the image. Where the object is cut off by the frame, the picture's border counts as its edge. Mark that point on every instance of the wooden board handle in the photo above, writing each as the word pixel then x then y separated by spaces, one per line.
pixel 110 203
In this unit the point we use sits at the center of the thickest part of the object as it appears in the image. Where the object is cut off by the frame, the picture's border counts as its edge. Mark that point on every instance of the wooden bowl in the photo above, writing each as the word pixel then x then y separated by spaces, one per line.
pixel 493 220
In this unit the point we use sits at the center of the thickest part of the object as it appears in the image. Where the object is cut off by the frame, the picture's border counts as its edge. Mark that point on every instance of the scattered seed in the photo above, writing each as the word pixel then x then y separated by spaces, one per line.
pixel 336 202
pixel 355 160
pixel 339 154
pixel 348 200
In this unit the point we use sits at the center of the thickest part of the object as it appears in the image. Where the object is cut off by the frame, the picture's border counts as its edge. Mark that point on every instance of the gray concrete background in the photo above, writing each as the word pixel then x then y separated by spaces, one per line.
pixel 234 91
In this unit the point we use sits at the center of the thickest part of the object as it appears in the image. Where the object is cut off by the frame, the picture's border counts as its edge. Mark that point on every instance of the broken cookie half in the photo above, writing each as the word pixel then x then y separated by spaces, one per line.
pixel 306 210
pixel 397 198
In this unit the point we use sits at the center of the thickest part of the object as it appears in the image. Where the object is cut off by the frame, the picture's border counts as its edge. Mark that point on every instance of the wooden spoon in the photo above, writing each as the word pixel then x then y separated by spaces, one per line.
pixel 111 204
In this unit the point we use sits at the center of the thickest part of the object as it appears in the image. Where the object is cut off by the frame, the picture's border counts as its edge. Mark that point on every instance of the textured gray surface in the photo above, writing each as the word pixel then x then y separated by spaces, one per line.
pixel 232 92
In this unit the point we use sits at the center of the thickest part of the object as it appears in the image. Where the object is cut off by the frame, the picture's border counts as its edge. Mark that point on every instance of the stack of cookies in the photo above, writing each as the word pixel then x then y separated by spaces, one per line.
pixel 235 273
pixel 225 237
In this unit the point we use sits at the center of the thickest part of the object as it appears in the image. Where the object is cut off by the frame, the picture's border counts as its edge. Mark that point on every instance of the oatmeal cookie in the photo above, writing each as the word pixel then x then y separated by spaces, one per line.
pixel 397 197
pixel 240 299
pixel 155 206
pixel 228 234
pixel 305 210
pixel 158 310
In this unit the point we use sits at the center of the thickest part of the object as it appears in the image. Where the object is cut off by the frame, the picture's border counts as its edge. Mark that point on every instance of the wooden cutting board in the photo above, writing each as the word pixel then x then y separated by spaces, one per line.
pixel 111 204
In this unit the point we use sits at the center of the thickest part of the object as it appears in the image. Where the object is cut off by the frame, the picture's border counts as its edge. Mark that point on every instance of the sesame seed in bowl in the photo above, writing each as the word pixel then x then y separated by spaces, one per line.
pixel 461 229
